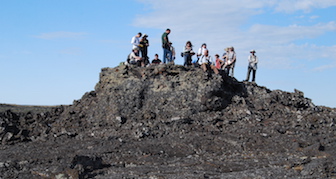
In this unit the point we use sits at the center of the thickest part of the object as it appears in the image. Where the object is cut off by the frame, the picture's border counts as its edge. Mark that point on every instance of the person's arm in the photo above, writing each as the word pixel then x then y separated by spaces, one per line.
pixel 199 52
pixel 133 41
pixel 250 59
pixel 212 61
pixel 234 58
pixel 134 57
pixel 200 60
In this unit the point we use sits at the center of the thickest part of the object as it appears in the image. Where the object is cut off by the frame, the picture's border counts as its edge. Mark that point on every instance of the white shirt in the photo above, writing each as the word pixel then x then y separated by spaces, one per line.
pixel 231 56
pixel 135 41
pixel 201 51
pixel 204 59
pixel 132 57
pixel 253 60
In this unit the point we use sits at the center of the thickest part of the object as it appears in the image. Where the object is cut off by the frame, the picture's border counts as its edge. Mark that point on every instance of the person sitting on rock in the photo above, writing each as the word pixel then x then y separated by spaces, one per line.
pixel 135 59
pixel 156 60
pixel 200 53
pixel 206 62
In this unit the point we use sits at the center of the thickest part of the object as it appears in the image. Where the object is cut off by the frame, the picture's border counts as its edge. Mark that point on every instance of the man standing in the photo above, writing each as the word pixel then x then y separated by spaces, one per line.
pixel 136 40
pixel 252 66
pixel 166 46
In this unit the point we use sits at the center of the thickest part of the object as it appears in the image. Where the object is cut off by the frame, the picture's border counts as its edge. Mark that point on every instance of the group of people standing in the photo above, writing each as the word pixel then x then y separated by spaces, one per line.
pixel 139 54
pixel 225 63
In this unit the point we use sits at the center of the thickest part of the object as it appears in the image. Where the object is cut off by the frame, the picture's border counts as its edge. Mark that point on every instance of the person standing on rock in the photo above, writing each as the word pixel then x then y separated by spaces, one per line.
pixel 136 40
pixel 166 46
pixel 172 50
pixel 230 61
pixel 206 62
pixel 252 65
pixel 187 54
pixel 144 43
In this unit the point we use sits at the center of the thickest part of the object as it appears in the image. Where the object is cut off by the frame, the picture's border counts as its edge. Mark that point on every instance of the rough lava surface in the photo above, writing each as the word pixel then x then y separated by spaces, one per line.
pixel 170 121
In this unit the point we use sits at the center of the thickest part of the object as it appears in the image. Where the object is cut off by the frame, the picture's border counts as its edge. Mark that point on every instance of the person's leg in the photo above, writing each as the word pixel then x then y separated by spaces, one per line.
pixel 204 67
pixel 214 69
pixel 254 75
pixel 226 70
pixel 189 60
pixel 248 74
pixel 232 70
pixel 170 55
pixel 185 56
pixel 164 55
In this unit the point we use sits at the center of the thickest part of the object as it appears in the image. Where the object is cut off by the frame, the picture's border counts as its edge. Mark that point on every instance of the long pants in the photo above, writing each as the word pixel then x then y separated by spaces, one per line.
pixel 228 69
pixel 165 53
pixel 144 54
pixel 187 59
pixel 249 69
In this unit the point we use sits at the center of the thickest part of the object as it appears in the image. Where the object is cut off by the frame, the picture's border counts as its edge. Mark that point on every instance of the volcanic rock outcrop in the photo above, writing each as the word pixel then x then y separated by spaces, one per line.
pixel 170 121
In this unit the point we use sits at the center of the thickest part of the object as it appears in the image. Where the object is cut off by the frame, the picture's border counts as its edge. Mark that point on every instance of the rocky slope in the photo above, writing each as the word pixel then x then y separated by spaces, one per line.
pixel 171 122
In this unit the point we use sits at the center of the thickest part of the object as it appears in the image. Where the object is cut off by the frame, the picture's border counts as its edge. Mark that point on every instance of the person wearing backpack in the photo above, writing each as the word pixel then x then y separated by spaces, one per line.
pixel 166 46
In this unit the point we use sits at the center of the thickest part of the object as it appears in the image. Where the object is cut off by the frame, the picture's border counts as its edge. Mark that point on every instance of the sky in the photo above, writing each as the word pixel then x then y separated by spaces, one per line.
pixel 51 52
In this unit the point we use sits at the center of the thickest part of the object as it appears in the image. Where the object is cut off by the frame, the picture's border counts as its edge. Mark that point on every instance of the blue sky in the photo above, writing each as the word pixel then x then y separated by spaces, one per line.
pixel 51 52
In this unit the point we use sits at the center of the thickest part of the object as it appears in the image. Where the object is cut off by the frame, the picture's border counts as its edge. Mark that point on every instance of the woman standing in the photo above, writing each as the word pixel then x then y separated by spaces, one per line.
pixel 188 53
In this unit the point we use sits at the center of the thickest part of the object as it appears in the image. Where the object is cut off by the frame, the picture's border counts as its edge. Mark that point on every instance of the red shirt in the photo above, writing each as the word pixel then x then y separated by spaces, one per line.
pixel 218 65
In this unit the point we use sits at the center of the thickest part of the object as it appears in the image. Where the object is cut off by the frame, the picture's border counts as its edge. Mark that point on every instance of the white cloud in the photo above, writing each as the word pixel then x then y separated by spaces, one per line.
pixel 290 6
pixel 325 67
pixel 218 23
pixel 61 35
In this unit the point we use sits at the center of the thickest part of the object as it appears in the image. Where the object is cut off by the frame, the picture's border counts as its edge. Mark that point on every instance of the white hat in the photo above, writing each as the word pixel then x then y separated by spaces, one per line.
pixel 252 51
